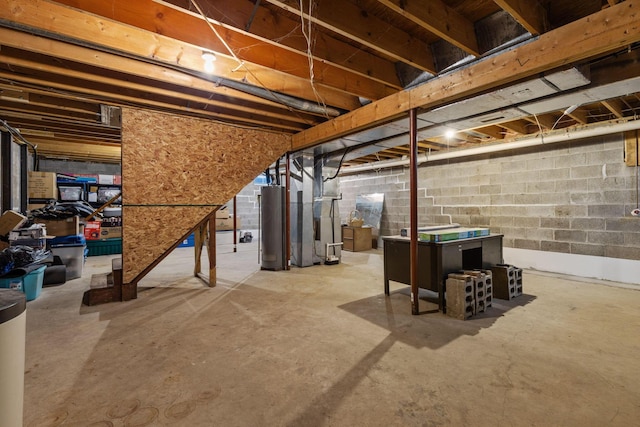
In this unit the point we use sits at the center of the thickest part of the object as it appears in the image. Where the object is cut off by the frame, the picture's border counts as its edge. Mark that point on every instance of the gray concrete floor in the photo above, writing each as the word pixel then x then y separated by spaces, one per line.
pixel 323 346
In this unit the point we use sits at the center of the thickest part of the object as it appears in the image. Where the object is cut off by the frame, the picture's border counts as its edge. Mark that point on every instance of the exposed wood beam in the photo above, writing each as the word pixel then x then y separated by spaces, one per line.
pixel 529 13
pixel 544 120
pixel 157 73
pixel 348 20
pixel 440 19
pixel 49 112
pixel 605 31
pixel 615 106
pixel 493 131
pixel 193 29
pixel 54 19
pixel 77 150
pixel 72 86
pixel 278 29
pixel 73 80
pixel 517 126
pixel 581 115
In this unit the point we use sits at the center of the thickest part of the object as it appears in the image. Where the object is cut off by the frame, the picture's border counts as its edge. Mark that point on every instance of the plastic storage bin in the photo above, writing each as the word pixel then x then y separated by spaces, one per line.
pixel 189 242
pixel 72 257
pixel 104 247
pixel 30 283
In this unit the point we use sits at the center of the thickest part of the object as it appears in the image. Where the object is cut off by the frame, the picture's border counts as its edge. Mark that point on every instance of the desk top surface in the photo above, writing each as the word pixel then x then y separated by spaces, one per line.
pixel 399 238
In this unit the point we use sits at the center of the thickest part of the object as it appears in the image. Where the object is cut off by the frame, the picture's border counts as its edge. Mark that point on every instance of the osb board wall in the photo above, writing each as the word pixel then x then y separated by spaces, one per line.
pixel 176 170
pixel 149 231
pixel 172 160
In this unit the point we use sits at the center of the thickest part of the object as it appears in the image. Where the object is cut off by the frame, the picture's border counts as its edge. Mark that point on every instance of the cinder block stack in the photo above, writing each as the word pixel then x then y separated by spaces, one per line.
pixel 483 288
pixel 507 281
pixel 460 296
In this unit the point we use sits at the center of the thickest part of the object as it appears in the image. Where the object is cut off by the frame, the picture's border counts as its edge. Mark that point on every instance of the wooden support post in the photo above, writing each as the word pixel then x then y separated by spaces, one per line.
pixel 200 236
pixel 212 250
pixel 413 195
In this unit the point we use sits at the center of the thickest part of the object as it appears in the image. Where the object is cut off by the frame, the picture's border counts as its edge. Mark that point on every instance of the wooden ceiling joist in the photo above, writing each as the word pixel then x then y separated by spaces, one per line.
pixel 609 29
pixel 438 18
pixel 193 29
pixel 75 150
pixel 97 31
pixel 615 106
pixel 350 21
pixel 529 13
pixel 260 22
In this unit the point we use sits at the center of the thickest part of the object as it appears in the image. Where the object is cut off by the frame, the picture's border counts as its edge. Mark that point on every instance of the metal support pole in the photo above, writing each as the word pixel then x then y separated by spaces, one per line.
pixel 413 184
pixel 235 226
pixel 24 173
pixel 212 251
pixel 5 158
pixel 287 213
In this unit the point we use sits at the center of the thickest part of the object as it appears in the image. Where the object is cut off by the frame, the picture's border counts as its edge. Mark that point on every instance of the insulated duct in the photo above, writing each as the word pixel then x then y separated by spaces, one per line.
pixel 540 139
pixel 289 101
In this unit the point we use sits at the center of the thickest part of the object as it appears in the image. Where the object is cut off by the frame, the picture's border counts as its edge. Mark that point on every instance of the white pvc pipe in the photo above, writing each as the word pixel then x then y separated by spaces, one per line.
pixel 540 139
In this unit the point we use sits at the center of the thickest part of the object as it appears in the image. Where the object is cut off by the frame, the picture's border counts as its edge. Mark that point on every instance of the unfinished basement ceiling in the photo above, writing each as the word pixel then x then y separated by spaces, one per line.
pixel 63 63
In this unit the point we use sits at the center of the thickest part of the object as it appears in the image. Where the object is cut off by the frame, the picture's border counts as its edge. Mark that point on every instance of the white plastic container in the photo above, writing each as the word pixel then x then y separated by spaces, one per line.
pixel 72 256
pixel 13 322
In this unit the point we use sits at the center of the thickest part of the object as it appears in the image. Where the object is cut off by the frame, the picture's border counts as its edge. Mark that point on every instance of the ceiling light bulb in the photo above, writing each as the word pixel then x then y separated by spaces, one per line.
pixel 450 133
pixel 208 58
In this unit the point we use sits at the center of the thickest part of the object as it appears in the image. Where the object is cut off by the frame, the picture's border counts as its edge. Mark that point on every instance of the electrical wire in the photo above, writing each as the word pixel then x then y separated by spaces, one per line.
pixel 242 64
pixel 308 39
pixel 346 150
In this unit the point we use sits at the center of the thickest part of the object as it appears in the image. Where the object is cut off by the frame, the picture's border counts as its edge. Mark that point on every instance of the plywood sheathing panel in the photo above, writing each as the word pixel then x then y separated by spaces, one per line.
pixel 148 232
pixel 631 149
pixel 175 160
pixel 177 170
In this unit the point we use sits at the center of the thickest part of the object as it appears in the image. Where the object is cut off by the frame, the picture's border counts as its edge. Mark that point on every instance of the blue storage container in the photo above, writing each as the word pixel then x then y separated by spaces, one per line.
pixel 73 239
pixel 189 242
pixel 30 283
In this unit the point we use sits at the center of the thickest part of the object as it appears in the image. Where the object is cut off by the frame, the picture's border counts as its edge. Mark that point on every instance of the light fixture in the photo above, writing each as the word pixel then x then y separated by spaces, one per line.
pixel 450 133
pixel 208 58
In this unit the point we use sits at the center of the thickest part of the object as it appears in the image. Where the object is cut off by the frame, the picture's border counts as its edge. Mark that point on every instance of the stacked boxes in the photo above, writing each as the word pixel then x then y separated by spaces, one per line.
pixel 507 281
pixel 460 294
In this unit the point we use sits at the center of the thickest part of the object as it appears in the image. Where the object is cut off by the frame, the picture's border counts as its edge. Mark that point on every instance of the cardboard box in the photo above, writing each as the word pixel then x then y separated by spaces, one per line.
pixel 110 232
pixel 92 230
pixel 61 227
pixel 222 213
pixel 223 224
pixel 42 185
pixel 10 220
pixel 34 206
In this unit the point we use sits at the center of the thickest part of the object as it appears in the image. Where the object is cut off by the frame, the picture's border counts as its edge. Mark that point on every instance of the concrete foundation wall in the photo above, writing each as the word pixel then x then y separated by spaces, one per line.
pixel 572 198
pixel 247 207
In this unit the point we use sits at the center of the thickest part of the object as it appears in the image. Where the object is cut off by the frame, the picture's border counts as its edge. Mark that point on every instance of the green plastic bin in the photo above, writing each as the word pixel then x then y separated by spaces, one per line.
pixel 104 247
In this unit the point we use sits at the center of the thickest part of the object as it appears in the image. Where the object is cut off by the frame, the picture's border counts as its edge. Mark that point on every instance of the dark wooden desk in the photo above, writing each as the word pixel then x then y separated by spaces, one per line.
pixel 437 260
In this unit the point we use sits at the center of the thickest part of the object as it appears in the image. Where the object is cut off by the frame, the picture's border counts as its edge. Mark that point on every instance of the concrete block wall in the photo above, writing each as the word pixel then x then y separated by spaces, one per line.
pixel 572 198
pixel 247 207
